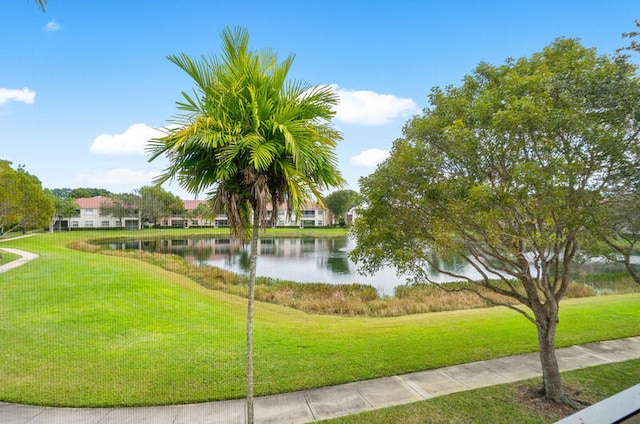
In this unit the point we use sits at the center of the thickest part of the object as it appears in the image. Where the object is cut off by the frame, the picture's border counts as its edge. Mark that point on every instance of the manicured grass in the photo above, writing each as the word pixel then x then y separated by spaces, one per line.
pixel 83 329
pixel 6 257
pixel 506 403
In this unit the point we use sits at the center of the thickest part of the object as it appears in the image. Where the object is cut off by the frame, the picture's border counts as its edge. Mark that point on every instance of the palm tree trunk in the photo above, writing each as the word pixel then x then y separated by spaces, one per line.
pixel 252 282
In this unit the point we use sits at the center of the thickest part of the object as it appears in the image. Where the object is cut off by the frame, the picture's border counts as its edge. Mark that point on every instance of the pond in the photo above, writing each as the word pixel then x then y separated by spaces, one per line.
pixel 305 260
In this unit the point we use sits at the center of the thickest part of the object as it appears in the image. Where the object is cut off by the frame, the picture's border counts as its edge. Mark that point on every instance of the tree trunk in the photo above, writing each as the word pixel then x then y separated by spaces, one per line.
pixel 629 266
pixel 252 282
pixel 547 324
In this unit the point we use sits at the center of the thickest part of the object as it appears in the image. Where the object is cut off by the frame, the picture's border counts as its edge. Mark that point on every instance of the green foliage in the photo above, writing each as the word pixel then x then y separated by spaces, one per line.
pixel 634 45
pixel 507 172
pixel 81 192
pixel 618 236
pixel 61 193
pixel 248 137
pixel 23 202
pixel 153 202
pixel 64 207
pixel 341 201
pixel 121 205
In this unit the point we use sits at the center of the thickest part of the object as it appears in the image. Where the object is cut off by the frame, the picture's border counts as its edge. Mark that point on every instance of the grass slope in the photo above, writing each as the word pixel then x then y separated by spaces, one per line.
pixel 80 329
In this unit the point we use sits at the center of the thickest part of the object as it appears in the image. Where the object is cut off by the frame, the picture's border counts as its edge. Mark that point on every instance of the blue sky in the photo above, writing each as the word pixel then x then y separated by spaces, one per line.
pixel 84 84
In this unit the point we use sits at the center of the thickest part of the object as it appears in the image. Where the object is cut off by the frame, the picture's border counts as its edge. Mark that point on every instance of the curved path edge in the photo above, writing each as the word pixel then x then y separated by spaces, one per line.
pixel 24 258
pixel 335 401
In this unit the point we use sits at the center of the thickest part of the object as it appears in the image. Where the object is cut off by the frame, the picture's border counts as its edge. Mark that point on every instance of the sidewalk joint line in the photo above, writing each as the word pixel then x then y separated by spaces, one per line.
pixel 413 388
pixel 590 352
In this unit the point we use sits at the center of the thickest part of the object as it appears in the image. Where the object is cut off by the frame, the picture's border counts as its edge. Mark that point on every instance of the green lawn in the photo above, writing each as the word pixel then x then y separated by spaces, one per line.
pixel 6 257
pixel 83 329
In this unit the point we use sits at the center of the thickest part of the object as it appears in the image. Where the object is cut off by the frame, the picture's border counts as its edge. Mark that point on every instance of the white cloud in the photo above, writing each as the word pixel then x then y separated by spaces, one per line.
pixel 131 142
pixel 25 95
pixel 370 157
pixel 117 177
pixel 52 26
pixel 370 108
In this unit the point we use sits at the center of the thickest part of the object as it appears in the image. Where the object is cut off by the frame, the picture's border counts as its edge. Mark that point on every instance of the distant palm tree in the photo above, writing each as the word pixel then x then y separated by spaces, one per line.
pixel 42 3
pixel 249 139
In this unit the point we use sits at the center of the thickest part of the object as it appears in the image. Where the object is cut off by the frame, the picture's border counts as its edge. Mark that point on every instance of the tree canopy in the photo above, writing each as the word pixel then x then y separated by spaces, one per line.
pixel 507 172
pixel 154 203
pixel 341 201
pixel 79 192
pixel 249 137
pixel 23 202
pixel 148 203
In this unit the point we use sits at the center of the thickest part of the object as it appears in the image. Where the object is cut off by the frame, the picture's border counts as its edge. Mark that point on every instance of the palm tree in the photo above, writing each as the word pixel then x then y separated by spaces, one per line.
pixel 248 138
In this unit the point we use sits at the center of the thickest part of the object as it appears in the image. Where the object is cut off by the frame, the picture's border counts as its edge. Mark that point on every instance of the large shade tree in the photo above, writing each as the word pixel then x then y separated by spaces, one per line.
pixel 122 205
pixel 248 137
pixel 340 202
pixel 154 202
pixel 507 171
pixel 23 202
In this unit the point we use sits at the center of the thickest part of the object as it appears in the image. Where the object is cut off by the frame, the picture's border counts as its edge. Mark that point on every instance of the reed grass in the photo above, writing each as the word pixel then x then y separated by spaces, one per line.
pixel 346 299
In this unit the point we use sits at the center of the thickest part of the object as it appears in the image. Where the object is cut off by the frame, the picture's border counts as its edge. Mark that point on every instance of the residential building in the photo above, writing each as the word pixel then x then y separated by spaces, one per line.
pixel 311 215
pixel 88 216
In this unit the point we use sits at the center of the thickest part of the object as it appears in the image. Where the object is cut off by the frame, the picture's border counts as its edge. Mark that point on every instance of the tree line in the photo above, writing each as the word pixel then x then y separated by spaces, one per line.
pixel 25 205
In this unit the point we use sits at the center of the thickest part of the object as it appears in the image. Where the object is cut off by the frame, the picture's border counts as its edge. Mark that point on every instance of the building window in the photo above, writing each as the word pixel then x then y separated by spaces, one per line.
pixel 75 224
pixel 104 223
pixel 88 223
pixel 88 211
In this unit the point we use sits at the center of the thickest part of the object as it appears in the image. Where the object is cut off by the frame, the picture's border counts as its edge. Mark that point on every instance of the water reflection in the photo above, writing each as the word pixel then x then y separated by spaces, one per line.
pixel 306 260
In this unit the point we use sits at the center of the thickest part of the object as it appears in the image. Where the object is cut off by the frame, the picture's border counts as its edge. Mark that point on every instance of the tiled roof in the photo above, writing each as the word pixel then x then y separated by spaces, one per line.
pixel 191 205
pixel 92 202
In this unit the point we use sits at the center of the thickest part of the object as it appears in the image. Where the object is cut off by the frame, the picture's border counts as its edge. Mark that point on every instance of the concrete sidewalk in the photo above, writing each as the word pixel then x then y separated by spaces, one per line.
pixel 24 258
pixel 335 401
